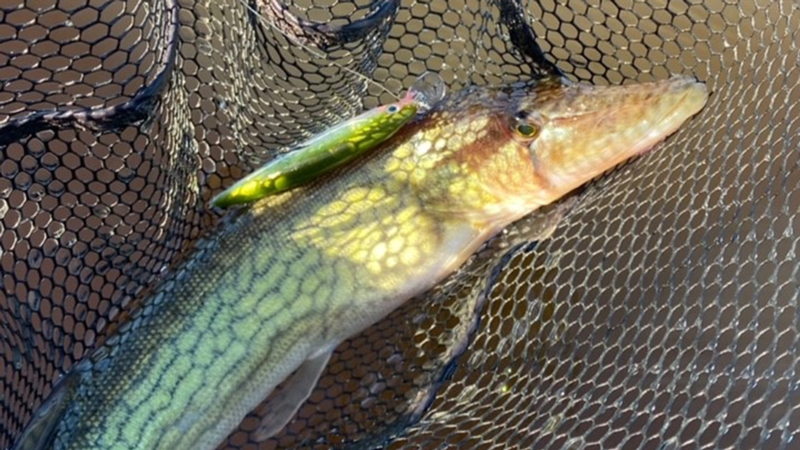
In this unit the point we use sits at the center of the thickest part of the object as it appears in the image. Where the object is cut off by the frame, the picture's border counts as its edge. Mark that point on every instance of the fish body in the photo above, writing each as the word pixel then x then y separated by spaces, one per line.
pixel 287 279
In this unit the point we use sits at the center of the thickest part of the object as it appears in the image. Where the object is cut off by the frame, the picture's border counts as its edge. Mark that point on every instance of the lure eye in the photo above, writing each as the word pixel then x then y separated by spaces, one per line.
pixel 527 130
pixel 392 109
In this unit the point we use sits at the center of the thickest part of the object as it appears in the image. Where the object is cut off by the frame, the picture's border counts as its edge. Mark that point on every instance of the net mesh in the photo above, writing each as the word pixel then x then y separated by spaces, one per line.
pixel 661 314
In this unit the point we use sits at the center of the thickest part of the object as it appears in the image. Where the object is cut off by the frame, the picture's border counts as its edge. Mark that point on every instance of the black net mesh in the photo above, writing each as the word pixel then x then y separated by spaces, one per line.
pixel 661 314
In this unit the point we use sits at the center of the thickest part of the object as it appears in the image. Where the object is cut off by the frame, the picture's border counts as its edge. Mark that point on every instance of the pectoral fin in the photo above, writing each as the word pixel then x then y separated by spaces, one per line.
pixel 41 431
pixel 295 390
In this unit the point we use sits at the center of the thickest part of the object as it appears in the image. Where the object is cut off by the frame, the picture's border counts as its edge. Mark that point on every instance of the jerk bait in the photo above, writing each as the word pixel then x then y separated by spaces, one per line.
pixel 334 147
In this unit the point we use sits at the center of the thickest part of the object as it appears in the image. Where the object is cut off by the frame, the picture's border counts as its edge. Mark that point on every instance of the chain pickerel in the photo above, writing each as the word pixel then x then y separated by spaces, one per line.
pixel 283 281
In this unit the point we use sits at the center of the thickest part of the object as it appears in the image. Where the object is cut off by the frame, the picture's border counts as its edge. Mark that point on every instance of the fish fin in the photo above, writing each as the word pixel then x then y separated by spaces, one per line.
pixel 41 430
pixel 544 224
pixel 541 224
pixel 294 391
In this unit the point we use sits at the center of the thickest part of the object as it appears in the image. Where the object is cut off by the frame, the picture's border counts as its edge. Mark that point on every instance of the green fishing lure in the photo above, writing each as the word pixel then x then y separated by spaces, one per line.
pixel 334 147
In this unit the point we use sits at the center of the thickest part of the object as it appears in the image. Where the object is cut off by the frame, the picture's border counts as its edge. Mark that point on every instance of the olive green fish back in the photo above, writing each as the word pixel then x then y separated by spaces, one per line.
pixel 663 312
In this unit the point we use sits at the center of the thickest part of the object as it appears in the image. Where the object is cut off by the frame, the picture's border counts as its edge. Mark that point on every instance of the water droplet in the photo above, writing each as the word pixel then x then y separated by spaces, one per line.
pixel 416 320
pixel 575 443
pixel 36 192
pixel 552 423
pixel 553 257
pixel 17 359
pixel 126 250
pixel 23 181
pixel 68 240
pixel 102 365
pixel 62 257
pixel 427 90
pixel 35 258
pixel 9 169
pixel 56 188
pixel 396 358
pixel 377 388
pixel 34 300
pixel 669 444
pixel 126 174
pixel 204 47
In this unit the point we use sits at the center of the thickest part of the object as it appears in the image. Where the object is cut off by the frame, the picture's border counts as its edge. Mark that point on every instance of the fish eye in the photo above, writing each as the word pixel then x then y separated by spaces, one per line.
pixel 527 130
pixel 392 109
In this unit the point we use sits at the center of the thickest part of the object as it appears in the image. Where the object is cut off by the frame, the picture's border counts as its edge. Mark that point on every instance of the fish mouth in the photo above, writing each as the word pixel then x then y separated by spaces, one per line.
pixel 692 96
pixel 591 129
pixel 696 93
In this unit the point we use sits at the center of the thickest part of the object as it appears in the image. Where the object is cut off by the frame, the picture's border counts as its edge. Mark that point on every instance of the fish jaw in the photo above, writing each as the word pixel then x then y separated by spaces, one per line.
pixel 586 130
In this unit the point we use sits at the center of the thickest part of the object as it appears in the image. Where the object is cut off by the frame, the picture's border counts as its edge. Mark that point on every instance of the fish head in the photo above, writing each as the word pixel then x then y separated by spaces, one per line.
pixel 514 149
pixel 575 133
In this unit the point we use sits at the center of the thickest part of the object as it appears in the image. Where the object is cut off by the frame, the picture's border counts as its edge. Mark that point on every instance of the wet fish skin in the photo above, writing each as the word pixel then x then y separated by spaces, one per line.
pixel 286 280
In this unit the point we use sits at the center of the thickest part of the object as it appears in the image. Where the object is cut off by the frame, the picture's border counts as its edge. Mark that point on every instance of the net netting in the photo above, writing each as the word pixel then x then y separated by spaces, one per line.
pixel 661 314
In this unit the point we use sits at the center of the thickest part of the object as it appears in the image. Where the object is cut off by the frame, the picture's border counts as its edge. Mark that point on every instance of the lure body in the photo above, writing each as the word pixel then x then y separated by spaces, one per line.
pixel 334 147
pixel 284 281
pixel 323 152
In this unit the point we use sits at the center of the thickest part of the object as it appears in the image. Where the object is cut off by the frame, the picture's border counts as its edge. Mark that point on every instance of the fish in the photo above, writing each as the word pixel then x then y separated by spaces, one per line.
pixel 333 147
pixel 268 296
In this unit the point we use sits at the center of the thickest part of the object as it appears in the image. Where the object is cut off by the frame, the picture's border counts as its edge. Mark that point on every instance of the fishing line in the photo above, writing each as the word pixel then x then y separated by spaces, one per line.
pixel 316 52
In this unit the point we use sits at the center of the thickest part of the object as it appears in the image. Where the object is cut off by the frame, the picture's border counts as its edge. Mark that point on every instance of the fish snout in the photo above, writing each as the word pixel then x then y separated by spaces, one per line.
pixel 591 129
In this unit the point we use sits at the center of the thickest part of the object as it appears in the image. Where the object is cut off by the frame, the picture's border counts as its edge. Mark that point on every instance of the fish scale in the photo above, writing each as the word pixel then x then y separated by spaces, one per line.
pixel 279 284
